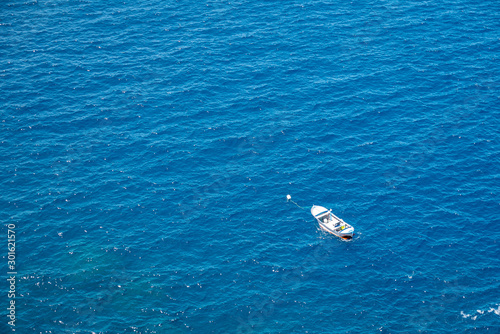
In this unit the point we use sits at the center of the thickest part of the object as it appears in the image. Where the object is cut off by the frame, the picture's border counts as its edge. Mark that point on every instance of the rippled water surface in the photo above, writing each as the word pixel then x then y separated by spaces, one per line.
pixel 148 148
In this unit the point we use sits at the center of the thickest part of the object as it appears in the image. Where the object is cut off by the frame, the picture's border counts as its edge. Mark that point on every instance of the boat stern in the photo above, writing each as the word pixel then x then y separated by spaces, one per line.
pixel 347 233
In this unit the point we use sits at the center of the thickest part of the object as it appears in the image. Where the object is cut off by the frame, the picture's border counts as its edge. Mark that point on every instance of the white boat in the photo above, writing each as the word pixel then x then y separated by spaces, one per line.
pixel 331 223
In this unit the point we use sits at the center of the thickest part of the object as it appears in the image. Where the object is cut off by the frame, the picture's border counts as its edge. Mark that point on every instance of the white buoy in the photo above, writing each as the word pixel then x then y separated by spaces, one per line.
pixel 289 198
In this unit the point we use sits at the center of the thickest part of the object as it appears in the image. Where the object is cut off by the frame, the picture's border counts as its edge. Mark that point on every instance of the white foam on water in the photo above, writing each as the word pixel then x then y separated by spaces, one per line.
pixel 497 311
pixel 465 315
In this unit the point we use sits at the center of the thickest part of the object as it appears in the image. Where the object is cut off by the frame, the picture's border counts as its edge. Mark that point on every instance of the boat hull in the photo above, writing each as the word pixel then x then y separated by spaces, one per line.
pixel 332 224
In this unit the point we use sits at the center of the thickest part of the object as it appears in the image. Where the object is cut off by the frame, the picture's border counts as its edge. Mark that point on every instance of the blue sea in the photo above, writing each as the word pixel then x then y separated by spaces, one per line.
pixel 147 150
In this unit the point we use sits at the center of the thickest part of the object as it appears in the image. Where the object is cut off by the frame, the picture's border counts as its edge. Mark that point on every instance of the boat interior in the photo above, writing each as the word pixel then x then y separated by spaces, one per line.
pixel 339 225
